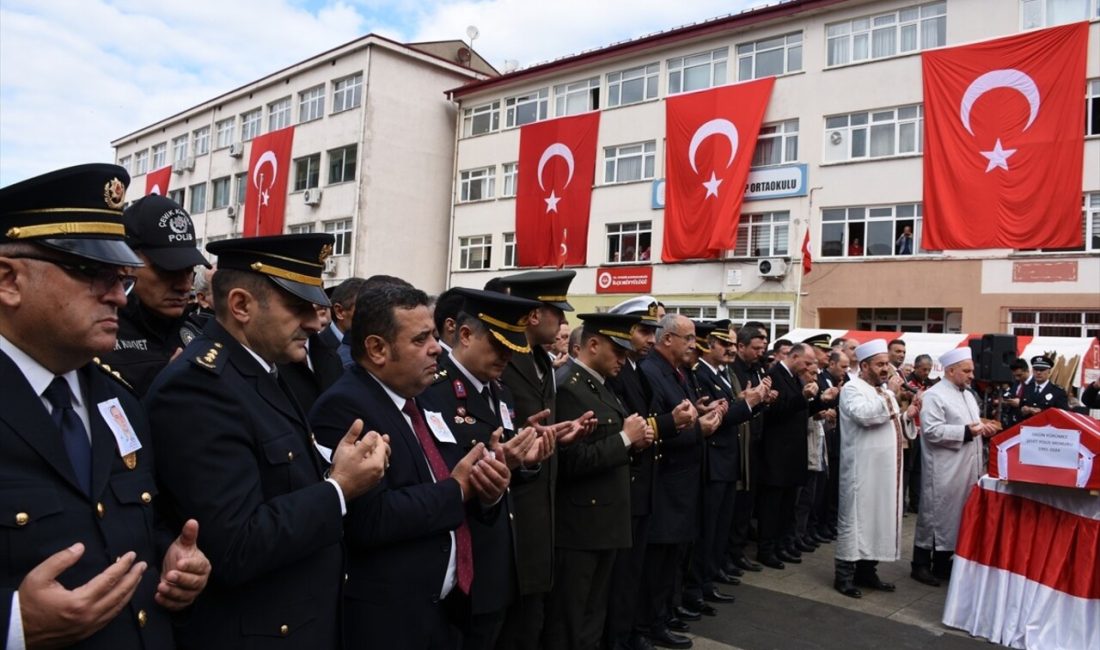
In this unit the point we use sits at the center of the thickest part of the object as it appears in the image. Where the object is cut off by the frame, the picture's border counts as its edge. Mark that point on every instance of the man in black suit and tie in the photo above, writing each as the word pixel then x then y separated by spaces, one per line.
pixel 234 451
pixel 84 562
pixel 308 378
pixel 343 309
pixel 410 550
pixel 1041 393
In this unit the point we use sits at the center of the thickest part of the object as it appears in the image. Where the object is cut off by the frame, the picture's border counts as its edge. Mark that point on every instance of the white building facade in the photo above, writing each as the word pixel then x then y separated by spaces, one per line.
pixel 839 155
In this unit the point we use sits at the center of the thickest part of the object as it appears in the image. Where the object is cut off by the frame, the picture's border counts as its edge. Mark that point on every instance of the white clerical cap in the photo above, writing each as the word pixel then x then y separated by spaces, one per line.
pixel 870 349
pixel 951 357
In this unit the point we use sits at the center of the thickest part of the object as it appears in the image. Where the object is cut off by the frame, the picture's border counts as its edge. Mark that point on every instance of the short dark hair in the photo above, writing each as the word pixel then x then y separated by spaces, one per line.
pixel 476 325
pixel 447 305
pixel 895 342
pixel 747 333
pixel 1019 364
pixel 385 279
pixel 346 292
pixel 497 285
pixel 780 343
pixel 225 280
pixel 921 358
pixel 374 311
pixel 798 349
pixel 834 356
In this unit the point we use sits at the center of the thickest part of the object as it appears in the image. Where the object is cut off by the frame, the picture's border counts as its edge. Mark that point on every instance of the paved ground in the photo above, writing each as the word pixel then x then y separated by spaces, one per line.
pixel 797 608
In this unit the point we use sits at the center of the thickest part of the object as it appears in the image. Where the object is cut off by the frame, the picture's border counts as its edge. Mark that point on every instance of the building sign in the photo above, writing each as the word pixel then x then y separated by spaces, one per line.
pixel 767 183
pixel 624 279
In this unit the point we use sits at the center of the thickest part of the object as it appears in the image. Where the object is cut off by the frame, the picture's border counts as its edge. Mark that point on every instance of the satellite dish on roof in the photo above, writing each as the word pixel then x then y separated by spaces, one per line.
pixel 472 33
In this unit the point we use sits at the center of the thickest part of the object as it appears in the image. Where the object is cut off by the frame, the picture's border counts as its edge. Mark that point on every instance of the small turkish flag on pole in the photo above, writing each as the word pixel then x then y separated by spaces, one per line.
pixel 1004 146
pixel 268 171
pixel 807 257
pixel 156 182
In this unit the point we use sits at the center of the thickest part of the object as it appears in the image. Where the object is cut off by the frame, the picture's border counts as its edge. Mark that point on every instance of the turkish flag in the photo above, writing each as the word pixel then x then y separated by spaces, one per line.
pixel 268 171
pixel 557 163
pixel 711 135
pixel 807 257
pixel 156 182
pixel 1004 142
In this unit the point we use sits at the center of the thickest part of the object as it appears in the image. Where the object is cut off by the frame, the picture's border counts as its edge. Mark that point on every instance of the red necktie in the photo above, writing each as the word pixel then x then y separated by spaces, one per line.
pixel 464 556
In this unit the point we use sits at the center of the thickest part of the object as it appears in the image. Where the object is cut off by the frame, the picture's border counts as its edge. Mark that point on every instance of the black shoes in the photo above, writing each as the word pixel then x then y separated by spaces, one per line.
pixel 783 556
pixel 804 546
pixel 745 564
pixel 701 607
pixel 847 588
pixel 727 579
pixel 772 562
pixel 874 582
pixel 685 613
pixel 923 575
pixel 676 625
pixel 715 596
pixel 662 637
pixel 637 642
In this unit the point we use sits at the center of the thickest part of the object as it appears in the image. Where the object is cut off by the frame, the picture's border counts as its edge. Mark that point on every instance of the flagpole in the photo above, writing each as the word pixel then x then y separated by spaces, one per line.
pixel 801 274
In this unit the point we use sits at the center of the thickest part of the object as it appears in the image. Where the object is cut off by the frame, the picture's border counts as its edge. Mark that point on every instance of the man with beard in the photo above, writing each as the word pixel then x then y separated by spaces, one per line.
pixel 153 327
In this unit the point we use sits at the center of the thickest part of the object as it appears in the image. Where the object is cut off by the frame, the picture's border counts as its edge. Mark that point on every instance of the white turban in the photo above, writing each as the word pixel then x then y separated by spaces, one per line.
pixel 870 349
pixel 951 357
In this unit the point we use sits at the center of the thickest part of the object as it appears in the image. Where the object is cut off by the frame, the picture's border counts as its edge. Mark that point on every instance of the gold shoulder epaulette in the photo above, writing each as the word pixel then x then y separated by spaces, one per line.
pixel 210 358
pixel 113 374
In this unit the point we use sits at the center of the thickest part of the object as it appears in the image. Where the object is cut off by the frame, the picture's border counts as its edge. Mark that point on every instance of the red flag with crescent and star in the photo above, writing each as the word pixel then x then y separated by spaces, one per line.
pixel 1004 143
pixel 268 172
pixel 711 136
pixel 156 182
pixel 557 164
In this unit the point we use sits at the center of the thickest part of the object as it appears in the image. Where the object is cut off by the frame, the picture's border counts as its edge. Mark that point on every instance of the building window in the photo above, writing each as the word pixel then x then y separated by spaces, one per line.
pixel 509 250
pixel 511 174
pixel 160 155
pixel 628 242
pixel 763 235
pixel 347 93
pixel 629 162
pixel 875 134
pixel 177 196
pixel 577 97
pixel 278 114
pixel 876 231
pixel 882 35
pixel 198 199
pixel 200 141
pixel 777 144
pixel 697 71
pixel 179 148
pixel 1054 323
pixel 524 109
pixel 341 230
pixel 219 187
pixel 707 312
pixel 769 57
pixel 241 181
pixel 902 319
pixel 223 132
pixel 1048 13
pixel 141 162
pixel 124 162
pixel 311 104
pixel 633 85
pixel 777 319
pixel 307 172
pixel 250 124
pixel 474 252
pixel 481 119
pixel 1092 108
pixel 477 184
pixel 341 164
pixel 301 228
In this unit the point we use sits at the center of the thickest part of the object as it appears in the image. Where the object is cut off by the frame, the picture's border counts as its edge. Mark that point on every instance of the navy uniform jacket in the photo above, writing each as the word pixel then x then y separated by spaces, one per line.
pixel 43 510
pixel 724 445
pixel 399 533
pixel 494 553
pixel 632 387
pixel 1051 396
pixel 234 452
pixel 675 517
pixel 146 343
pixel 593 473
pixel 307 385
pixel 533 492
pixel 783 450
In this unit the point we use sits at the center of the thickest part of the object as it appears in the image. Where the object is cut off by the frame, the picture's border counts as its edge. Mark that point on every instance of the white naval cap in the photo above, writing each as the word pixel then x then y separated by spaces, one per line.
pixel 644 306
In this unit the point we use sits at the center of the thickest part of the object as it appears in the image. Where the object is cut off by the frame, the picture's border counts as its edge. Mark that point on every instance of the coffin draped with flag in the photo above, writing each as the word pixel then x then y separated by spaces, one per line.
pixel 711 136
pixel 268 172
pixel 1004 145
pixel 557 164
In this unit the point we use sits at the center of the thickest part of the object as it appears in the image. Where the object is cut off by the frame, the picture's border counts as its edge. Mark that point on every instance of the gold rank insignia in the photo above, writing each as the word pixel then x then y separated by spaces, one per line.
pixel 114 194
pixel 208 359
pixel 130 460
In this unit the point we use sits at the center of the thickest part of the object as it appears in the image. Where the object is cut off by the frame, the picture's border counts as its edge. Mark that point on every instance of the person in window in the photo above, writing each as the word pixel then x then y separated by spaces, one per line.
pixel 904 243
pixel 855 249
pixel 644 256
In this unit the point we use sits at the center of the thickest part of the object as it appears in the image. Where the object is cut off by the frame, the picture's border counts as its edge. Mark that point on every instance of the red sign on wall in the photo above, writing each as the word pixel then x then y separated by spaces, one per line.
pixel 624 279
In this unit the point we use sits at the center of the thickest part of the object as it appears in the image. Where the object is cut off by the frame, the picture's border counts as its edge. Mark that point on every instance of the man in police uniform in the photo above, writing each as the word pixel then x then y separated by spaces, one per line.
pixel 86 562
pixel 488 327
pixel 154 324
pixel 234 451
pixel 1040 393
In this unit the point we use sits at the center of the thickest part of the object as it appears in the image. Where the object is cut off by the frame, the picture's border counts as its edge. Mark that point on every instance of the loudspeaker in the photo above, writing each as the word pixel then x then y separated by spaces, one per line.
pixel 998 352
pixel 976 355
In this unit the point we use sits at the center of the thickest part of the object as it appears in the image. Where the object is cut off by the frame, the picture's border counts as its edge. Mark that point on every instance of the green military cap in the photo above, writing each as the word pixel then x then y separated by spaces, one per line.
pixel 551 287
pixel 616 327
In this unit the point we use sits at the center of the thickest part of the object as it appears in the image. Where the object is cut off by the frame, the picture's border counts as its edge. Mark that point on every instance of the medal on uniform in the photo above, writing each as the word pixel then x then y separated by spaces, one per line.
pixel 460 389
pixel 459 419
pixel 470 420
pixel 1049 396
pixel 461 411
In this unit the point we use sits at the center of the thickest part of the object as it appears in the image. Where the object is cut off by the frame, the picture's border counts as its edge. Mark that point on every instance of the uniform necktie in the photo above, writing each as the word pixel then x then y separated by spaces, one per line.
pixel 73 433
pixel 464 557
pixel 488 396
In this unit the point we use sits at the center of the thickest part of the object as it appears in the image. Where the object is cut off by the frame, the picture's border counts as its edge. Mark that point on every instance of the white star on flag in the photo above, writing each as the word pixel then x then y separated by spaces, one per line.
pixel 552 202
pixel 998 157
pixel 712 185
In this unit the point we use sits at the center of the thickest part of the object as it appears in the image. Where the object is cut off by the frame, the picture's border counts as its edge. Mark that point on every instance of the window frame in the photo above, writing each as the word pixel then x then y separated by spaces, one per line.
pixel 224 131
pixel 345 165
pixel 512 105
pixel 751 50
pixel 717 58
pixel 778 326
pixel 862 214
pixel 786 131
pixel 508 247
pixel 347 93
pixel 159 156
pixel 613 156
pixel 252 124
pixel 198 195
pixel 222 186
pixel 471 116
pixel 467 179
pixel 311 173
pixel 342 230
pixel 649 75
pixel 868 26
pixel 311 104
pixel 141 162
pixel 509 179
pixel 279 114
pixel 200 141
pixel 867 125
pixel 470 243
pixel 618 235
pixel 775 225
pixel 566 93
pixel 1092 11
pixel 1028 327
pixel 180 147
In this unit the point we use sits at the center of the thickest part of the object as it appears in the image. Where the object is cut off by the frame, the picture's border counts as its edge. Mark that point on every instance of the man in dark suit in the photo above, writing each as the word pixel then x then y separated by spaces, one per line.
pixel 410 551
pixel 308 378
pixel 488 327
pixel 1012 397
pixel 85 560
pixel 593 505
pixel 1041 393
pixel 234 451
pixel 530 378
pixel 343 309
pixel 835 374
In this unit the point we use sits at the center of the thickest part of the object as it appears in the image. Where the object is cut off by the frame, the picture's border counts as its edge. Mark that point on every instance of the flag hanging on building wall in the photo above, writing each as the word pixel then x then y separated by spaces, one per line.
pixel 156 182
pixel 268 171
pixel 807 257
pixel 711 136
pixel 1004 142
pixel 557 164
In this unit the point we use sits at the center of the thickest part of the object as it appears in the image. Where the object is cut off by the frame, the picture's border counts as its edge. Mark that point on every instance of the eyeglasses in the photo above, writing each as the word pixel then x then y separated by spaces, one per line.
pixel 101 278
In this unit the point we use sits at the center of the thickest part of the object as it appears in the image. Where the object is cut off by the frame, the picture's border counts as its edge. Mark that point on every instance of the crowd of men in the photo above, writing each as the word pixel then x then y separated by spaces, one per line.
pixel 374 467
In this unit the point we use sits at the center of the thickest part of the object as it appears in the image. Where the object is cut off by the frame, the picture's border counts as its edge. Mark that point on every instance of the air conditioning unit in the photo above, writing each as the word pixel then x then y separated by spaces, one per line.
pixel 236 149
pixel 772 267
pixel 232 211
pixel 330 266
pixel 313 197
pixel 185 165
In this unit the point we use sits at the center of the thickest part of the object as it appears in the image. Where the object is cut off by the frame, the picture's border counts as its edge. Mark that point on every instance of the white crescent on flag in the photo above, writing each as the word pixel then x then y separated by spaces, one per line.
pixel 716 126
pixel 266 157
pixel 563 152
pixel 1008 78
